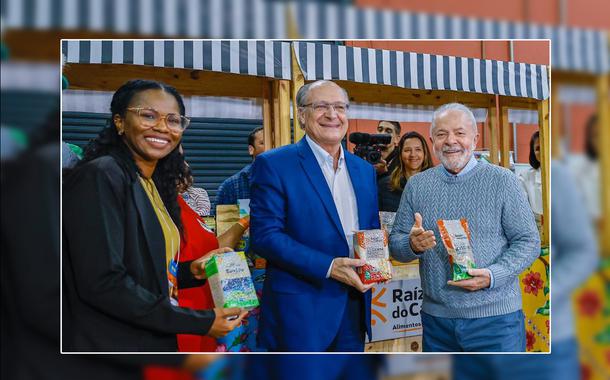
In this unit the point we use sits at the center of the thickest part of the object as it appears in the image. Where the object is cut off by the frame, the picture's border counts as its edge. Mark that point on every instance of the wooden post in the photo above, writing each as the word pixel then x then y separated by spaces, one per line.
pixel 283 102
pixel 543 126
pixel 504 137
pixel 275 114
pixel 557 133
pixel 493 129
pixel 603 124
pixel 267 116
pixel 298 80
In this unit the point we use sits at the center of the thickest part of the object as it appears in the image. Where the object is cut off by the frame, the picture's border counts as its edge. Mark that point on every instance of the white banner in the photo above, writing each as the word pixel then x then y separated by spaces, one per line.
pixel 395 309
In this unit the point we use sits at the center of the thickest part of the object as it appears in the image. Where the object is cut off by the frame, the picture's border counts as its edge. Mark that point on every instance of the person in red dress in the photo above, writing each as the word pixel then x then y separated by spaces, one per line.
pixel 196 242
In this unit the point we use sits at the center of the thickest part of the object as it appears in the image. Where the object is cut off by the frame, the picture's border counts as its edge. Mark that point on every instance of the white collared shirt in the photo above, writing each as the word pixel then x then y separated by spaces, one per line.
pixel 471 164
pixel 342 190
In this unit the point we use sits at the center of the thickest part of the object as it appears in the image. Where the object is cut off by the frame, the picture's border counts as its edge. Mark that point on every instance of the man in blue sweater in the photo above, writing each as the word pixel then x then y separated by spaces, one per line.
pixel 481 314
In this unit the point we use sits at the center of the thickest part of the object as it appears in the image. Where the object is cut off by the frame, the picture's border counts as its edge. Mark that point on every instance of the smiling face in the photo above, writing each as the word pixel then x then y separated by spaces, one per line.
pixel 149 144
pixel 454 139
pixel 412 155
pixel 326 128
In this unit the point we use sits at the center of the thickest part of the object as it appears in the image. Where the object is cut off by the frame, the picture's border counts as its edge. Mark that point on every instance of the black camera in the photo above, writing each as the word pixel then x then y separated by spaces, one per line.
pixel 369 146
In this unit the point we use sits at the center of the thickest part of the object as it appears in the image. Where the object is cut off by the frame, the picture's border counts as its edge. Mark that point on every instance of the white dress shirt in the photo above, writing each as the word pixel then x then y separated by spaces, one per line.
pixel 342 190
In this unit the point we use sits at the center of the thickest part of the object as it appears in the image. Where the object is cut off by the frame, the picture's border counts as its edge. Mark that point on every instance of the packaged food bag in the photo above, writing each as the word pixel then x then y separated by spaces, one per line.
pixel 456 238
pixel 372 246
pixel 244 210
pixel 386 220
pixel 230 281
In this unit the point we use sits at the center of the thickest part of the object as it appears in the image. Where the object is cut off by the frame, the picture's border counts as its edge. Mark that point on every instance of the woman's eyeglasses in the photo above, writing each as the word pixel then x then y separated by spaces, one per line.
pixel 151 118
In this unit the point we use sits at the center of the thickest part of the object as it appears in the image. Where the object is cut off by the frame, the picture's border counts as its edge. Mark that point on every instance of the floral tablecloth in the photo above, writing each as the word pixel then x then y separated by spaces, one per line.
pixel 534 283
pixel 592 309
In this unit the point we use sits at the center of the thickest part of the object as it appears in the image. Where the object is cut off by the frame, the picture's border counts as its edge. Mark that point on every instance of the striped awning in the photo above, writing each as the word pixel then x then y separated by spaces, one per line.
pixel 574 49
pixel 421 71
pixel 260 58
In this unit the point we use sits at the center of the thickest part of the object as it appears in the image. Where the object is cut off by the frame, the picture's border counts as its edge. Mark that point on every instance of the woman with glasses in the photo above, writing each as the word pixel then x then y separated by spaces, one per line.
pixel 121 232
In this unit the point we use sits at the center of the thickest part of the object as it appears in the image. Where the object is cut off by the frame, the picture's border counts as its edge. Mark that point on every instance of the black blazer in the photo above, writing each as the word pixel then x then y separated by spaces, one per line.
pixel 115 292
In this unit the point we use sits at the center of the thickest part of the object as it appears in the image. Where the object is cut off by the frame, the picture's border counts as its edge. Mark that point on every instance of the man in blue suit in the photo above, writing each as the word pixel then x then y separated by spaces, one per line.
pixel 307 199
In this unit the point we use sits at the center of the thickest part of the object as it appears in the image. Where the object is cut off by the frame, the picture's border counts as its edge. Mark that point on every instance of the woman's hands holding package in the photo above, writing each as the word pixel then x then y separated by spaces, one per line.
pixel 226 320
pixel 198 266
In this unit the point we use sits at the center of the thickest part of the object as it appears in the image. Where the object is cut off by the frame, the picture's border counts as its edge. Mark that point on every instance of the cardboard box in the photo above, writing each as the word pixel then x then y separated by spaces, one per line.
pixel 230 281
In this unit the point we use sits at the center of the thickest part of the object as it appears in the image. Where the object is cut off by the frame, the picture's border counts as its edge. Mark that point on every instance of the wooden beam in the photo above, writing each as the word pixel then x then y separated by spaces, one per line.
pixel 44 45
pixel 505 129
pixel 109 77
pixel 578 79
pixel 297 81
pixel 545 158
pixel 603 125
pixel 376 93
pixel 493 131
pixel 514 102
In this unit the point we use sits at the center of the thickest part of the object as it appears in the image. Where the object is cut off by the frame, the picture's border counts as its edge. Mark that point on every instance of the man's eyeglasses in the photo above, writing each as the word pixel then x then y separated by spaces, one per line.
pixel 323 107
pixel 151 118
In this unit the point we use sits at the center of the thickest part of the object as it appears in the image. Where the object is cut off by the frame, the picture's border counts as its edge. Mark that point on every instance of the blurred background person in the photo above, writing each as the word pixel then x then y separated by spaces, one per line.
pixel 196 197
pixel 586 171
pixel 238 185
pixel 569 245
pixel 196 240
pixel 389 153
pixel 121 251
pixel 531 179
pixel 414 157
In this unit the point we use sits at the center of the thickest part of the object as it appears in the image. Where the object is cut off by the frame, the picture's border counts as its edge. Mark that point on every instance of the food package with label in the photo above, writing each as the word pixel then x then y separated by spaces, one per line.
pixel 456 238
pixel 372 246
pixel 386 219
pixel 230 281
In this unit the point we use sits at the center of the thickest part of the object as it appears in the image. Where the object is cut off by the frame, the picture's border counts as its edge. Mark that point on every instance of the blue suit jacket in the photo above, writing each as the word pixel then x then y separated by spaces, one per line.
pixel 296 227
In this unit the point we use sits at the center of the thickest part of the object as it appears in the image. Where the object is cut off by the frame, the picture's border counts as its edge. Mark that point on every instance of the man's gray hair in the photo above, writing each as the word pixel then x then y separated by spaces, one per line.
pixel 453 107
pixel 303 93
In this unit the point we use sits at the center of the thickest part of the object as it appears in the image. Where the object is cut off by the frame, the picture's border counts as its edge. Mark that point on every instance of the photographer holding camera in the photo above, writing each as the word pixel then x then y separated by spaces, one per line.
pixel 389 153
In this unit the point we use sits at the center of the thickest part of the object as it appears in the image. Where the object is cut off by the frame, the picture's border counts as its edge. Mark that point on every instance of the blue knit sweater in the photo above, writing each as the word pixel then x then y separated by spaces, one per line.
pixel 503 231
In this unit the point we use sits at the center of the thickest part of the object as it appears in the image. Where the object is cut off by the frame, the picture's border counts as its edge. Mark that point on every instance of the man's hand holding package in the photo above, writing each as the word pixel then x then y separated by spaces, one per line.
pixel 420 239
pixel 481 279
pixel 344 270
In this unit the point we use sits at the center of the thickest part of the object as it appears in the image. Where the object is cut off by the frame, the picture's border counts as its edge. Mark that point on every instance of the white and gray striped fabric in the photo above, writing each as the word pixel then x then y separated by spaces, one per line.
pixel 421 71
pixel 574 49
pixel 259 58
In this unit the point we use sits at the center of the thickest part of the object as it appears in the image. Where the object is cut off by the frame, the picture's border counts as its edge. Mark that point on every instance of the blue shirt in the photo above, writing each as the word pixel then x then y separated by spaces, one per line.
pixel 233 188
